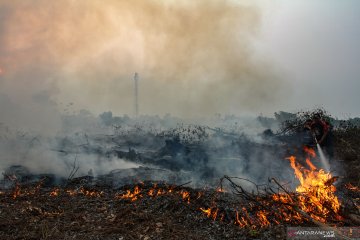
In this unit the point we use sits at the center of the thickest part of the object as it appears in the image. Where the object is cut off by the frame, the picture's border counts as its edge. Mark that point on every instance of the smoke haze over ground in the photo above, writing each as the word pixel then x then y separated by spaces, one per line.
pixel 173 149
pixel 194 58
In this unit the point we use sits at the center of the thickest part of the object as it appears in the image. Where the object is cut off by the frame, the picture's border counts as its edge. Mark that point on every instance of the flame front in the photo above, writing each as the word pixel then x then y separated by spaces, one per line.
pixel 314 197
pixel 316 189
pixel 133 196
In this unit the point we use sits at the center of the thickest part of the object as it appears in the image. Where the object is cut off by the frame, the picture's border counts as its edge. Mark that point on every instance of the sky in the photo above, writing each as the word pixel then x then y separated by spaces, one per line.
pixel 316 45
pixel 194 58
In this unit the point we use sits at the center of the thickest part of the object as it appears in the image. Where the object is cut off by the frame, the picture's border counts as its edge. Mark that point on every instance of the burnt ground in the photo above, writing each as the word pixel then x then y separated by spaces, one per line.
pixel 98 214
pixel 347 148
pixel 155 211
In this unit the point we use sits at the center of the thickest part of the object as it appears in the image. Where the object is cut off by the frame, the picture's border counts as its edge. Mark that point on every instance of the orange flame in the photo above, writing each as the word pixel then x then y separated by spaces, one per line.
pixel 185 196
pixel 241 221
pixel 151 192
pixel 220 190
pixel 55 192
pixel 310 151
pixel 206 211
pixel 316 189
pixel 16 192
pixel 211 213
pixel 263 218
pixel 214 215
pixel 296 168
pixel 133 196
pixel 315 196
pixel 160 192
pixel 89 193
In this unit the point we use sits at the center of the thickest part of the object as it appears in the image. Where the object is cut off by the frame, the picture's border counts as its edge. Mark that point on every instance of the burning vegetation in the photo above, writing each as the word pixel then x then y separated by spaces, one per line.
pixel 86 210
pixel 116 206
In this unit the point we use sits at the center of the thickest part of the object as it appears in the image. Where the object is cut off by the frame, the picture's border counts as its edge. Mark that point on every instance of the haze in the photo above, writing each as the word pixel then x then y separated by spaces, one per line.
pixel 195 58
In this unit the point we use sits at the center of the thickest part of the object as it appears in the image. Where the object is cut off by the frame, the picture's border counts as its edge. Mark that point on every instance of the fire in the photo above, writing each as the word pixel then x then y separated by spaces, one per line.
pixel 211 213
pixel 262 215
pixel 206 211
pixel 215 213
pixel 71 192
pixel 185 196
pixel 89 193
pixel 55 192
pixel 16 192
pixel 314 197
pixel 316 189
pixel 220 190
pixel 310 151
pixel 133 196
pixel 160 192
pixel 241 221
pixel 151 192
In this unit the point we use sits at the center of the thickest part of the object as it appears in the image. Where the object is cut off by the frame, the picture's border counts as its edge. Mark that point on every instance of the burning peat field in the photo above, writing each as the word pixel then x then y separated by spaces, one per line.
pixel 153 177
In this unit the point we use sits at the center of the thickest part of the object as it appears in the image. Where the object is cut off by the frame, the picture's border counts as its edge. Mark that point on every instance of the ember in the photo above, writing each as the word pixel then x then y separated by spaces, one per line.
pixel 55 192
pixel 244 210
pixel 185 196
pixel 352 187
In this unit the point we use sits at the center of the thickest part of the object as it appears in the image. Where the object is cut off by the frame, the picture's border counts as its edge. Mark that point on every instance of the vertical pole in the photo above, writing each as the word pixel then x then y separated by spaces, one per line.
pixel 136 80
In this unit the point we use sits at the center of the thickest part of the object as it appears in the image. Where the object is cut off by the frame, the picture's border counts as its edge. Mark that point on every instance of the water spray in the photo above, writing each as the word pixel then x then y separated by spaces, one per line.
pixel 323 159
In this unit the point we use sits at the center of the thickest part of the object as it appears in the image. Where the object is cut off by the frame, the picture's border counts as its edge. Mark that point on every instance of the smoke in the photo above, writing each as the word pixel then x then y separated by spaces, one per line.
pixel 194 58
pixel 59 155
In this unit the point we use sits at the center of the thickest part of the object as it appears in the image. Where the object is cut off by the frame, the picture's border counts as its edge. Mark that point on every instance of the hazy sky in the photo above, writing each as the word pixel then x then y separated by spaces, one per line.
pixel 316 45
pixel 194 57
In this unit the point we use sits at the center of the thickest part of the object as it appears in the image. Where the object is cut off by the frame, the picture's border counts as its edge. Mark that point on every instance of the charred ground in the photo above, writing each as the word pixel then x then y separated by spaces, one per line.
pixel 133 204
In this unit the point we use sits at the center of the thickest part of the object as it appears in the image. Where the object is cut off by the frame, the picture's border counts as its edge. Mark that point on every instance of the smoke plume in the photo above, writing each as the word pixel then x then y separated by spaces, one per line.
pixel 194 58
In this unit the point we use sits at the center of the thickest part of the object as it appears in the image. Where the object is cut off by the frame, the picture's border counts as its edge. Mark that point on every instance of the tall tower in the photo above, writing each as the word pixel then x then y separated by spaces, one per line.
pixel 136 91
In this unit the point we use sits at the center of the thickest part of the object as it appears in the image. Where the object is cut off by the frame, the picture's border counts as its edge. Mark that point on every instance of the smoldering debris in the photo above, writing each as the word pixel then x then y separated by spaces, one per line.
pixel 179 175
pixel 162 211
pixel 124 150
pixel 163 148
